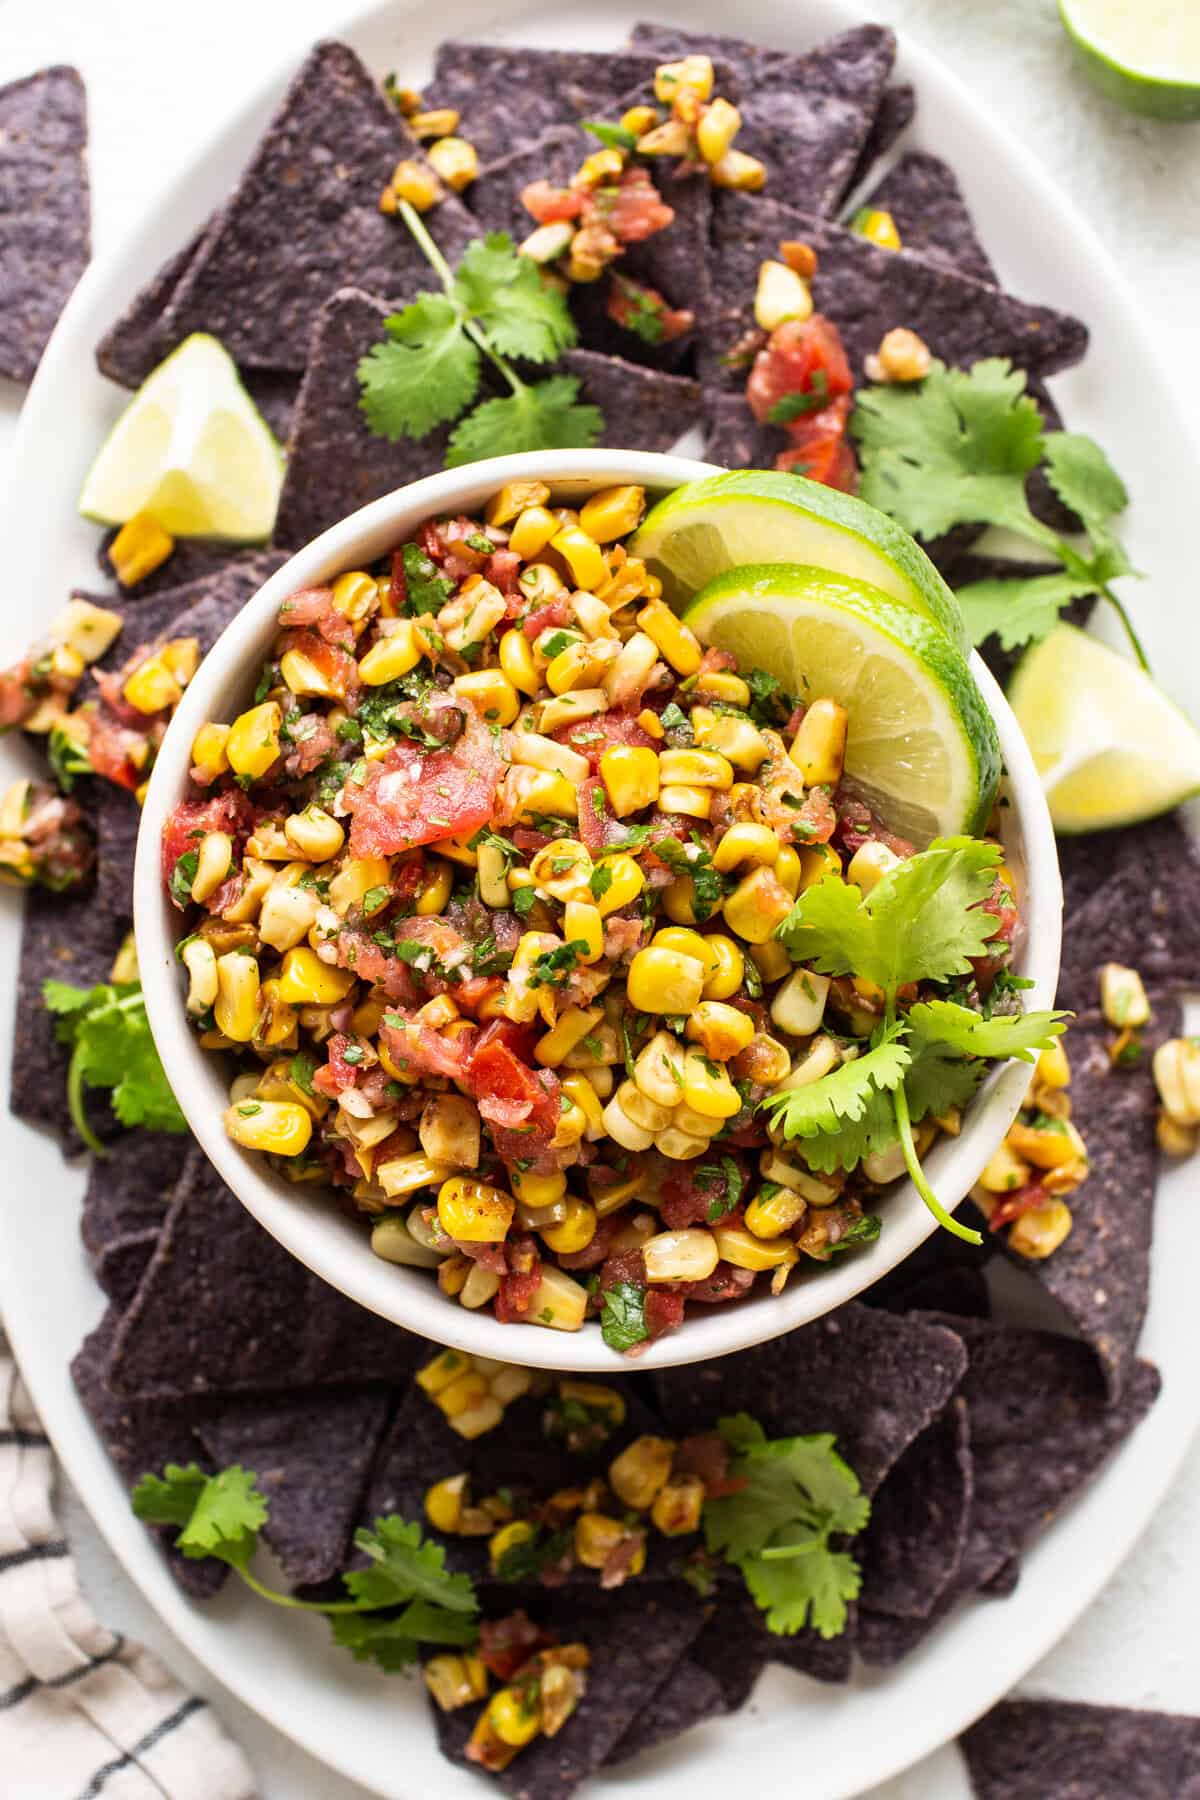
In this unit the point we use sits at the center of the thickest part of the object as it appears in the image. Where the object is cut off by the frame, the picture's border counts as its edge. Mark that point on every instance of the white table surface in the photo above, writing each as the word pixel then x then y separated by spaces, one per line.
pixel 160 76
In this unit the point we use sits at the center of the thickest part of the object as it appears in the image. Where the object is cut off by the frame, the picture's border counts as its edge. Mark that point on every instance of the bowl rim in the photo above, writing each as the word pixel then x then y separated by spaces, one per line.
pixel 334 1247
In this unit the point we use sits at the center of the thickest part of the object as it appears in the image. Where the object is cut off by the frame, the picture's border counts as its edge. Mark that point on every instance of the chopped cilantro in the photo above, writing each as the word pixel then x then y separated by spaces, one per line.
pixel 623 1321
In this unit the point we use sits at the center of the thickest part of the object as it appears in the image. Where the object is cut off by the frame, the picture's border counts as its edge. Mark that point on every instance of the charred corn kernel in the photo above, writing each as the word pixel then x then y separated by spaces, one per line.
pixel 558 1303
pixel 581 554
pixel 449 1131
pixel 257 877
pixel 199 959
pixel 630 774
pixel 819 747
pixel 737 740
pixel 1051 1145
pixel 745 842
pixel 213 862
pixel 1039 1232
pixel 355 595
pixel 745 1251
pixel 788 869
pixel 621 1128
pixel 515 1716
pixel 626 678
pixel 517 663
pixel 869 864
pixel 314 833
pixel 597 1536
pixel 435 890
pixel 720 1030
pixel 563 867
pixel 1004 1171
pixel 395 653
pixel 304 980
pixel 278 1126
pixel 572 1124
pixel 545 244
pixel 405 1174
pixel 674 642
pixel 576 1231
pixel 582 924
pixel 513 500
pixel 716 129
pixel 444 1502
pixel 303 675
pixel 491 693
pixel 877 225
pixel 677 1506
pixel 1175 1139
pixel 694 72
pixel 570 708
pixel 454 161
pixel 741 173
pixel 87 629
pixel 643 1467
pixel 679 1145
pixel 517 1531
pixel 569 1029
pixel 580 665
pixel 757 905
pixel 538 1190
pixel 695 768
pixel 140 546
pixel 287 915
pixel 253 742
pixel 1177 1078
pixel 415 182
pixel 474 1211
pixel 675 1256
pixel 693 802
pixel 799 1005
pixel 671 138
pixel 393 1242
pixel 658 1070
pixel 599 169
pixel 613 513
pixel 540 791
pixel 1053 1069
pixel 1123 996
pixel 492 875
pixel 434 1377
pixel 436 124
pixel 781 294
pixel 902 356
pixel 707 1088
pixel 771 1215
pixel 640 1110
pixel 355 880
pixel 236 1007
pixel 454 1681
pixel 626 882
pixel 152 687
pixel 663 981
pixel 771 960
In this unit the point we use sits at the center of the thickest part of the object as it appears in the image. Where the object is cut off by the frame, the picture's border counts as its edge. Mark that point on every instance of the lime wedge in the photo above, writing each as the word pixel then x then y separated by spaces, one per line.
pixel 921 748
pixel 193 450
pixel 1144 54
pixel 765 516
pixel 1110 747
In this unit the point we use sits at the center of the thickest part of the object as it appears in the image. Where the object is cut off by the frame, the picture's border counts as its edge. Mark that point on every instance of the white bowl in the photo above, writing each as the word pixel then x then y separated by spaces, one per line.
pixel 301 1217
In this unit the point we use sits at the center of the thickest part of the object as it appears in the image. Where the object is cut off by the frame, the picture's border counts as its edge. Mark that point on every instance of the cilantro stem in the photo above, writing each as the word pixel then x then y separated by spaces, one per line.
pixel 75 1101
pixel 1127 622
pixel 781 1552
pixel 445 275
pixel 315 1606
pixel 913 1164
pixel 1076 565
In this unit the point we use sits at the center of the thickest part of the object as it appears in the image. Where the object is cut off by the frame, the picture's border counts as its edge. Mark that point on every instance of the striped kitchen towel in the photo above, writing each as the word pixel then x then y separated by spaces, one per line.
pixel 84 1713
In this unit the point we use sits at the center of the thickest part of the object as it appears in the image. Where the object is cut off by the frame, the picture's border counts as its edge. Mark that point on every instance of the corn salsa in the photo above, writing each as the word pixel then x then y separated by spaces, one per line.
pixel 481 891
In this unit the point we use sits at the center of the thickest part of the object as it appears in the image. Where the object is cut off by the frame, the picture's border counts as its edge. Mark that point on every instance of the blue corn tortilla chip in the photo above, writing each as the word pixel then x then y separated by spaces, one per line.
pixel 1088 862
pixel 1064 1750
pixel 121 1264
pixel 129 1190
pixel 1146 914
pixel 45 210
pixel 644 409
pixel 506 94
pixel 141 1436
pixel 214 1264
pixel 1100 1275
pixel 191 559
pixel 304 220
pixel 806 116
pixel 885 1639
pixel 689 1696
pixel 914 1544
pixel 636 1640
pixel 866 291
pixel 897 110
pixel 311 1453
pixel 932 217
pixel 135 342
pixel 873 1379
pixel 733 1646
pixel 942 1266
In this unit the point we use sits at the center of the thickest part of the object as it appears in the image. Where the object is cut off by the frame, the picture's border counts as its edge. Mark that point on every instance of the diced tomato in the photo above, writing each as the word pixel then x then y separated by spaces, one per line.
pixel 503 568
pixel 471 994
pixel 112 749
pixel 506 1645
pixel 592 737
pixel 857 825
pixel 516 1295
pixel 692 1189
pixel 17 698
pixel 821 453
pixel 634 209
pixel 314 606
pixel 801 356
pixel 725 1283
pixel 418 796
pixel 496 1076
pixel 548 204
pixel 1020 1200
pixel 643 310
pixel 545 618
pixel 419 1050
pixel 663 1312
pixel 336 1073
pixel 623 1266
pixel 309 751
pixel 706 1455
pixel 192 819
pixel 335 664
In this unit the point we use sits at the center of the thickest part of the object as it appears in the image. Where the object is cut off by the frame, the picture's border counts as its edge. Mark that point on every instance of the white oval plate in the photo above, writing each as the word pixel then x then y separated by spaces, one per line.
pixel 374 1729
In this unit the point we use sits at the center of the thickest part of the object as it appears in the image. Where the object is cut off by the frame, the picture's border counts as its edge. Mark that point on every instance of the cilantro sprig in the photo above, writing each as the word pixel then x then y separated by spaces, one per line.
pixel 111 1047
pixel 429 368
pixel 794 1496
pixel 404 1598
pixel 957 449
pixel 923 922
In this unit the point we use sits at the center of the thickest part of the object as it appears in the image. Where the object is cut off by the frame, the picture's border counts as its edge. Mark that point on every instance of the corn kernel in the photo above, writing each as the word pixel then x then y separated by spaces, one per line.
pixel 819 746
pixel 581 554
pixel 630 774
pixel 597 1536
pixel 869 864
pixel 152 687
pixel 569 1029
pixel 517 663
pixel 746 842
pixel 401 1175
pixel 769 1216
pixel 558 1303
pixel 1123 997
pixel 695 768
pixel 200 961
pixel 757 905
pixel 87 629
pixel 781 294
pixel 1050 1146
pixel 707 1088
pixel 680 1145
pixel 355 880
pixel 613 513
pixel 582 924
pixel 253 742
pixel 878 227
pixel 474 1211
pixel 902 356
pixel 663 981
pixel 642 1468
pixel 491 693
pixel 454 161
pixel 1039 1232
pixel 415 182
pixel 314 833
pixel 677 1506
pixel 394 653
pixel 575 1232
pixel 693 72
pixel 626 678
pixel 1177 1078
pixel 1053 1069
pixel 669 139
pixel 626 882
pixel 304 980
pixel 799 1005
pixel 692 802
pixel 675 643
pixel 279 1127
pixel 745 1251
pixel 720 1030
pixel 741 173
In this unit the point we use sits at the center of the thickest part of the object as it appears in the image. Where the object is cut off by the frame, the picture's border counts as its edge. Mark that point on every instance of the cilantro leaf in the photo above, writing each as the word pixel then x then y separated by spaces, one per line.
pixel 1019 1035
pixel 1083 478
pixel 426 372
pixel 623 1322
pixel 726 1177
pixel 642 311
pixel 68 757
pixel 220 1515
pixel 111 1047
pixel 842 1096
pixel 393 1644
pixel 505 292
pixel 938 1079
pixel 1020 609
pixel 405 1568
pixel 853 1139
pixel 613 137
pixel 542 417
pixel 793 1495
pixel 169 1498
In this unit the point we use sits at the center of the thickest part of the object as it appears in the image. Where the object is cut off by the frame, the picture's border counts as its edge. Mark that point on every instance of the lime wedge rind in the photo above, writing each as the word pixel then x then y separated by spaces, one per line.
pixel 922 747
pixel 1111 748
pixel 755 516
pixel 191 449
pixel 1144 54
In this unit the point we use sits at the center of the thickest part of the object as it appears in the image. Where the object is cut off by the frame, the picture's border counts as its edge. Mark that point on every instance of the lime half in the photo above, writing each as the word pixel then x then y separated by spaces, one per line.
pixel 765 516
pixel 193 450
pixel 1110 747
pixel 1144 54
pixel 921 748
